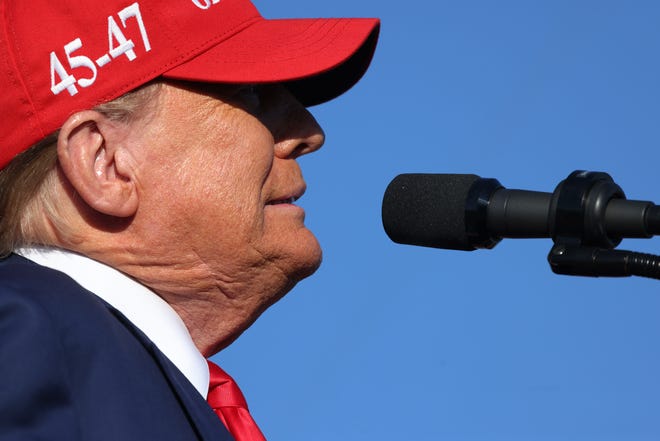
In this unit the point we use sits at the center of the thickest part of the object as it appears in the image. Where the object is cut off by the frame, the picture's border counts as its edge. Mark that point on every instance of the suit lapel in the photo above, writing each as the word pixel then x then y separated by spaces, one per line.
pixel 201 416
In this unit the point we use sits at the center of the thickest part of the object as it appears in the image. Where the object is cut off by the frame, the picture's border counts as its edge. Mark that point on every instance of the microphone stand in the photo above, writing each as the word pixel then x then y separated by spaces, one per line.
pixel 582 245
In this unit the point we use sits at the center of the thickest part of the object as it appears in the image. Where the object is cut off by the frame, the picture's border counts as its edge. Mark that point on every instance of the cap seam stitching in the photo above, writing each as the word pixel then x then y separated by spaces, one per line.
pixel 305 40
pixel 318 49
pixel 308 40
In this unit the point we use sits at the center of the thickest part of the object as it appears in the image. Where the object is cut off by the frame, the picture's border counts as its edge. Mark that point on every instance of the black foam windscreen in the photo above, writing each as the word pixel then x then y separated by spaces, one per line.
pixel 428 210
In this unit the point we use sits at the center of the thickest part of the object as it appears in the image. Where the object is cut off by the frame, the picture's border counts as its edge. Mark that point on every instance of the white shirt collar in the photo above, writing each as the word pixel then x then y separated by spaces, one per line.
pixel 144 308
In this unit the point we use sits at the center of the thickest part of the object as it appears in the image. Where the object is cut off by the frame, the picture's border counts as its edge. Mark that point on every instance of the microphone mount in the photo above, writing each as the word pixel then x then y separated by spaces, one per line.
pixel 583 245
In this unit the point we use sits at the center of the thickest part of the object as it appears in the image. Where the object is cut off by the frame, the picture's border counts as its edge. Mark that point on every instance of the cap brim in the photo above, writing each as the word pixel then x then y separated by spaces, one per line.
pixel 319 59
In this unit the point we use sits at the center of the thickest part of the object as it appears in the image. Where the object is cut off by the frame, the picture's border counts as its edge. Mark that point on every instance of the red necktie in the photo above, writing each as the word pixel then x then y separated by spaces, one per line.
pixel 229 404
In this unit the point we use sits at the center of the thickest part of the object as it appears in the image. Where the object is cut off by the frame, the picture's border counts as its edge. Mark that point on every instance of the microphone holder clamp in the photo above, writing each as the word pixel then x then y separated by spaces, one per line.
pixel 582 245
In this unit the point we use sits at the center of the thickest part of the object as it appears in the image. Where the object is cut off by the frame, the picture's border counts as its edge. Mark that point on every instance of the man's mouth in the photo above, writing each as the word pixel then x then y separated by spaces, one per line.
pixel 286 196
pixel 290 200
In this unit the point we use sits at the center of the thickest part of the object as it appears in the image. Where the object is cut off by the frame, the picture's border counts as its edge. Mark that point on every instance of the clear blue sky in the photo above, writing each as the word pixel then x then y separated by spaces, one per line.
pixel 392 342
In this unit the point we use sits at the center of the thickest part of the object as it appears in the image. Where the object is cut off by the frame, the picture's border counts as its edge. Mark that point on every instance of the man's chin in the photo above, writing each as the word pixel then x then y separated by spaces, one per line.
pixel 312 256
pixel 311 268
pixel 300 254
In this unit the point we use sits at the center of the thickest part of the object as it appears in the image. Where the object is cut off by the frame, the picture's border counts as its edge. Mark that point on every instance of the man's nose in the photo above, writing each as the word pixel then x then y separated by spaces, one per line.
pixel 297 132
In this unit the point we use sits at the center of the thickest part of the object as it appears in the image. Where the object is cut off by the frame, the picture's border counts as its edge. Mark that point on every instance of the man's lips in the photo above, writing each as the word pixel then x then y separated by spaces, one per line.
pixel 289 200
pixel 287 197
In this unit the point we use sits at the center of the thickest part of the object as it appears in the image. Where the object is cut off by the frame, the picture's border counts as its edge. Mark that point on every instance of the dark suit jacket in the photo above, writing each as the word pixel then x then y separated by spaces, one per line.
pixel 73 368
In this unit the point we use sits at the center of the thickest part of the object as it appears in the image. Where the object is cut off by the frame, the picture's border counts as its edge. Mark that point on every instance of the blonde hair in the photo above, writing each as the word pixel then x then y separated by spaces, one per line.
pixel 27 184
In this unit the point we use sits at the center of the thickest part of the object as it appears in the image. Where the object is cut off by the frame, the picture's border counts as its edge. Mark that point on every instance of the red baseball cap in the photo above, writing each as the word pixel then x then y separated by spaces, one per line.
pixel 61 56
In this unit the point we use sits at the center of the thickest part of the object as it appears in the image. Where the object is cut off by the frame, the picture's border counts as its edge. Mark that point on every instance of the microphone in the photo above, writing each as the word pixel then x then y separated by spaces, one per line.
pixel 467 212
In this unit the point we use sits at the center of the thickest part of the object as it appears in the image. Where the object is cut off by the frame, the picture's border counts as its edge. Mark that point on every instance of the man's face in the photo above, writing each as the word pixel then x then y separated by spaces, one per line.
pixel 218 179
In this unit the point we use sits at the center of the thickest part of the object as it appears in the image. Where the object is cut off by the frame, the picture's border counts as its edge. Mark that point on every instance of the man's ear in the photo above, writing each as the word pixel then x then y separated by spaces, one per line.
pixel 90 152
